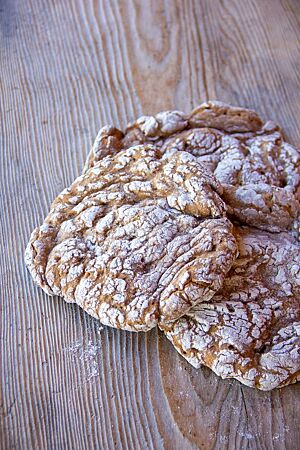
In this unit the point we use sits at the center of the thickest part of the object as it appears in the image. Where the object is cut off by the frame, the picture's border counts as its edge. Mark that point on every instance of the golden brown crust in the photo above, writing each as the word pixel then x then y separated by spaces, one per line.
pixel 221 116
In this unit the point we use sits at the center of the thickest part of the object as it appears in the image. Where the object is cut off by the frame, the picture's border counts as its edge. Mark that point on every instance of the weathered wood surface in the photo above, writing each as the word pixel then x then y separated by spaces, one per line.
pixel 66 68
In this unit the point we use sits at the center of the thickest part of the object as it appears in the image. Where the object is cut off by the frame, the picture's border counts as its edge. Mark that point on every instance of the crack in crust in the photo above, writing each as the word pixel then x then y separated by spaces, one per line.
pixel 259 171
pixel 250 330
pixel 138 239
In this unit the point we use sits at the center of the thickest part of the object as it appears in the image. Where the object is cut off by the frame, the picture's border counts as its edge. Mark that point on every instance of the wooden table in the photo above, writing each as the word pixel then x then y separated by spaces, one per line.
pixel 67 68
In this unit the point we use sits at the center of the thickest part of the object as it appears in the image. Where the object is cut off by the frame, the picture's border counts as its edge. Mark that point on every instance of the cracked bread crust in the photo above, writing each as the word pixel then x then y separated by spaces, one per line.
pixel 259 171
pixel 135 241
pixel 250 330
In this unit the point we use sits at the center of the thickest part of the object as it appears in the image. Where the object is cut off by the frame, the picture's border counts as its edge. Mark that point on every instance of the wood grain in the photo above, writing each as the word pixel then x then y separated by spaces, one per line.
pixel 68 67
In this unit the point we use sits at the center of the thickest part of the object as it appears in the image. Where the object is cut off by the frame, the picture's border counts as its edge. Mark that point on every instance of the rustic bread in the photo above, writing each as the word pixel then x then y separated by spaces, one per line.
pixel 259 171
pixel 250 330
pixel 136 240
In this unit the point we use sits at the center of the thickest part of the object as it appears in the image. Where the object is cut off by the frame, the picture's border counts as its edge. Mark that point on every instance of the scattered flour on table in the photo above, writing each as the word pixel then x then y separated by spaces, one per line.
pixel 88 354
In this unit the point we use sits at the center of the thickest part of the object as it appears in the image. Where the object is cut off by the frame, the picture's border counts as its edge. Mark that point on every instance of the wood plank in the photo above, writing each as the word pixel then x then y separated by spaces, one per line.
pixel 68 67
